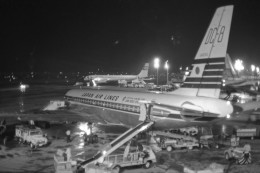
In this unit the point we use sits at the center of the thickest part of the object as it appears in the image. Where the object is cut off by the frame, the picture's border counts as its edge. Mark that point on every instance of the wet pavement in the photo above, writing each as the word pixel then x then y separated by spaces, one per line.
pixel 17 107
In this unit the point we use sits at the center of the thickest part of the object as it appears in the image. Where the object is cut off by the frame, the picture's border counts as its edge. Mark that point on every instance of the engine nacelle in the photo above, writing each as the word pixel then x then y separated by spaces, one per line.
pixel 190 111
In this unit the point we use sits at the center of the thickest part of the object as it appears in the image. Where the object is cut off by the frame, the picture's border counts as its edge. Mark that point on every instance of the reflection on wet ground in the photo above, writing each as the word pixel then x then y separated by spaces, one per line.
pixel 17 108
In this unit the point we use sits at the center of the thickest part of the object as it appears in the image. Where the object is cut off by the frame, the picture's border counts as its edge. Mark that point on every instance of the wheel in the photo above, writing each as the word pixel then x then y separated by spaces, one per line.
pixel 169 148
pixel 201 146
pixel 148 164
pixel 117 169
pixel 32 146
pixel 227 156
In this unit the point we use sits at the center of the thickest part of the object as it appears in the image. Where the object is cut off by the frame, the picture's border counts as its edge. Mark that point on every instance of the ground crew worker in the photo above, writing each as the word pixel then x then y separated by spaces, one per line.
pixel 85 137
pixel 68 136
pixel 139 147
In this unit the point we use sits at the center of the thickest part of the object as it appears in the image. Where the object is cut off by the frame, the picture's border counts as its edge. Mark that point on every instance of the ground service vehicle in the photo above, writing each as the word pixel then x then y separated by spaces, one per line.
pixel 180 144
pixel 241 155
pixel 252 133
pixel 170 141
pixel 146 157
pixel 31 135
pixel 63 162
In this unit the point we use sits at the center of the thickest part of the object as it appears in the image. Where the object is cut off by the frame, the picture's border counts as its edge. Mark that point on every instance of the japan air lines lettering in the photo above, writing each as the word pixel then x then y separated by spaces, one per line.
pixel 101 96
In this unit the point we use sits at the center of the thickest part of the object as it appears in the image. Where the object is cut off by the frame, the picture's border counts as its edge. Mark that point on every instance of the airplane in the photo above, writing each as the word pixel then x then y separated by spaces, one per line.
pixel 236 88
pixel 195 103
pixel 122 79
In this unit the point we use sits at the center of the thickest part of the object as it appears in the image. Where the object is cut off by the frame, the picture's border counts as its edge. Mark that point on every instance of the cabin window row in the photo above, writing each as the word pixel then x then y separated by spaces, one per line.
pixel 124 107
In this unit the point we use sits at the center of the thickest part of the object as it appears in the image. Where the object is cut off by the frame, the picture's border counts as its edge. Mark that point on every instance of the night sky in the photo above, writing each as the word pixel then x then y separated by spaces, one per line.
pixel 116 35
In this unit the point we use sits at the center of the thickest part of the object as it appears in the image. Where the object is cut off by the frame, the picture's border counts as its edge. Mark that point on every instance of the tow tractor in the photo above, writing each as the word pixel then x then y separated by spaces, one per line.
pixel 31 135
pixel 145 157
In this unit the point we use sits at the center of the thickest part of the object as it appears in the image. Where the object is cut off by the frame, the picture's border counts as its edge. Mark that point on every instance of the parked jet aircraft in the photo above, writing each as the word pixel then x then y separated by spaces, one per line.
pixel 122 79
pixel 238 89
pixel 197 101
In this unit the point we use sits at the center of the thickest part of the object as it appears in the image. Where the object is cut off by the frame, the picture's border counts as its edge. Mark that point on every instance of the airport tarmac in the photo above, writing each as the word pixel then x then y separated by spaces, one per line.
pixel 16 157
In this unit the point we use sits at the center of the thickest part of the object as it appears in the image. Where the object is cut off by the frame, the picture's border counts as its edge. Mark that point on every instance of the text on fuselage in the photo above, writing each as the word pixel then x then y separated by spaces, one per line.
pixel 101 96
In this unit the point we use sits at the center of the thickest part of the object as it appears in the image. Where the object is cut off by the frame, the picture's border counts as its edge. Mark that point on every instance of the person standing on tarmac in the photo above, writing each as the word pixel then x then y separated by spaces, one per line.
pixel 68 136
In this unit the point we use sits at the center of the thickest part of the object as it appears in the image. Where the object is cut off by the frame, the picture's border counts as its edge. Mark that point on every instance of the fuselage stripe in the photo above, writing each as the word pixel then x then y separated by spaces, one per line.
pixel 199 79
pixel 208 60
pixel 198 85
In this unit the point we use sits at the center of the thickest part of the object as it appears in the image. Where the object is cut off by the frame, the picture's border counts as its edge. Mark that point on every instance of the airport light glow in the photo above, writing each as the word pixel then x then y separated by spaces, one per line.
pixel 166 66
pixel 253 68
pixel 85 128
pixel 228 116
pixel 239 65
pixel 157 65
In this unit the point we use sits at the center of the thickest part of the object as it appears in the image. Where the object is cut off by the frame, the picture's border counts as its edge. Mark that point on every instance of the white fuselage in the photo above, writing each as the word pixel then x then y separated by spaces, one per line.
pixel 124 107
pixel 107 78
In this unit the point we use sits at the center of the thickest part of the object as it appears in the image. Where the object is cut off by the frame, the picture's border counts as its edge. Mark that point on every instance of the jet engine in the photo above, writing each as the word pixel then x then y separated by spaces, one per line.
pixel 190 111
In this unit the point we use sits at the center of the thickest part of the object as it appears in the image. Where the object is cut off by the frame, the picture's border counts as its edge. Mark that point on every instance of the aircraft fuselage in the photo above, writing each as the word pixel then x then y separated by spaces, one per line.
pixel 122 107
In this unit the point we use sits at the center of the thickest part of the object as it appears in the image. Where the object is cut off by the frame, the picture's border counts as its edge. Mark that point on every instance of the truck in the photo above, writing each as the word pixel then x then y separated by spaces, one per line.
pixel 31 135
pixel 145 158
pixel 170 141
pixel 180 144
pixel 247 132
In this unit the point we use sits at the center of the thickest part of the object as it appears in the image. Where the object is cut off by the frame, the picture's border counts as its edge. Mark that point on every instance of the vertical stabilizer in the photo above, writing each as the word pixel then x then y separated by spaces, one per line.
pixel 144 71
pixel 205 78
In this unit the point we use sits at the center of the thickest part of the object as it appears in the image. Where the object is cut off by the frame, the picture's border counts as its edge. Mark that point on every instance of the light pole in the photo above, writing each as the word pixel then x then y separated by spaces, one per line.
pixel 157 65
pixel 253 68
pixel 166 66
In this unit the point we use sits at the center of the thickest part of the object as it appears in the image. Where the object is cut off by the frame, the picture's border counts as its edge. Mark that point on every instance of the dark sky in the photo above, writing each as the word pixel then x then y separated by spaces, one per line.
pixel 116 35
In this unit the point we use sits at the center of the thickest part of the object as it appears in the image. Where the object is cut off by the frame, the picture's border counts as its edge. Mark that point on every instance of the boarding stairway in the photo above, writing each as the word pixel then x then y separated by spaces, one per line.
pixel 118 142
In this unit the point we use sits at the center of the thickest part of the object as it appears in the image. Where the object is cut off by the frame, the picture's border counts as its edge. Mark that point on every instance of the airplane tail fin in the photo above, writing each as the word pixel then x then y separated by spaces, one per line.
pixel 144 71
pixel 205 78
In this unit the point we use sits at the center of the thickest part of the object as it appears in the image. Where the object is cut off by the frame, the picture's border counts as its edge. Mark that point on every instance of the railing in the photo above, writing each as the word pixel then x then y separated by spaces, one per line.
pixel 119 158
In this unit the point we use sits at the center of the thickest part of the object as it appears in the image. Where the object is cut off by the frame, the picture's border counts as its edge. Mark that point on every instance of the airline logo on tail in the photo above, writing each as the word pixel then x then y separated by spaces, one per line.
pixel 144 71
pixel 206 76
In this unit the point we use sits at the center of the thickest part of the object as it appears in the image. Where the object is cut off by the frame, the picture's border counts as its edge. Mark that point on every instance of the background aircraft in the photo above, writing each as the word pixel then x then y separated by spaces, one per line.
pixel 121 79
